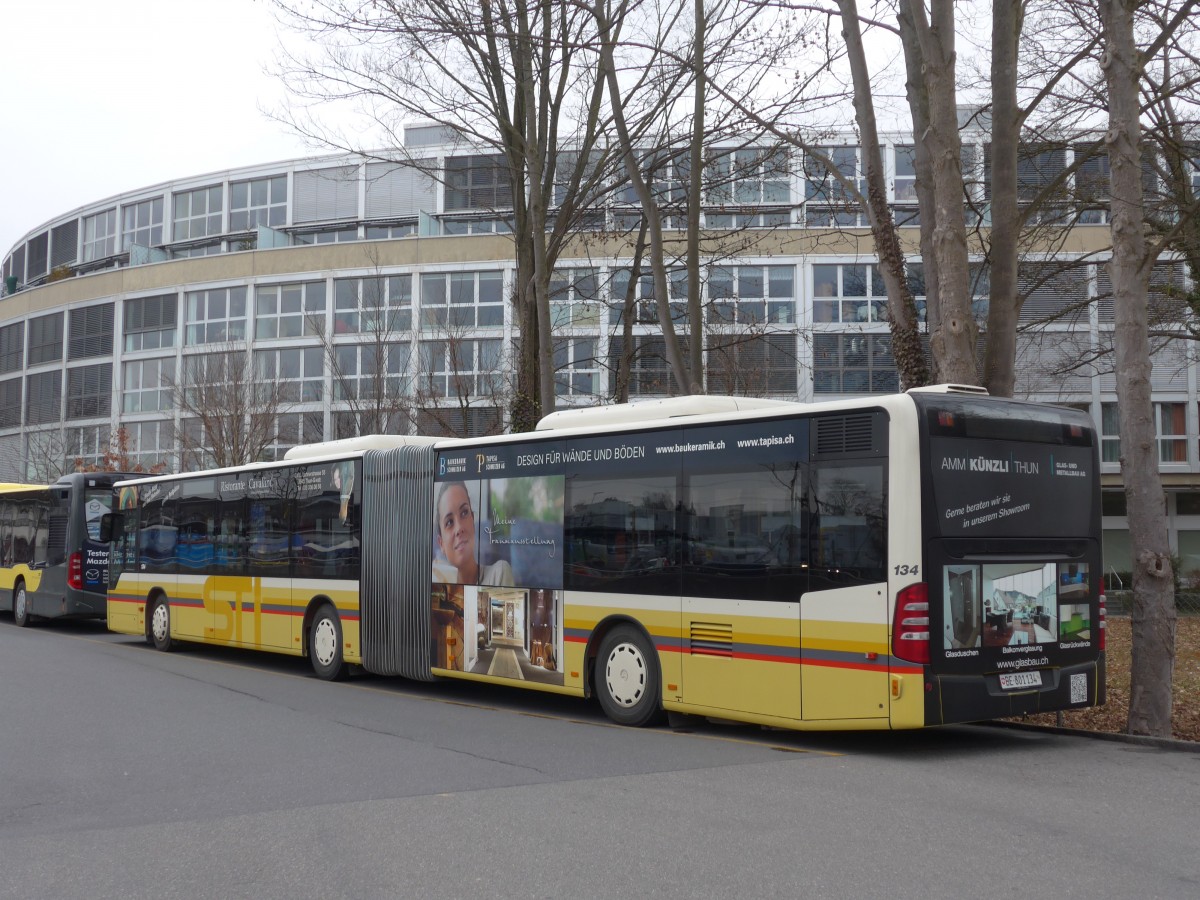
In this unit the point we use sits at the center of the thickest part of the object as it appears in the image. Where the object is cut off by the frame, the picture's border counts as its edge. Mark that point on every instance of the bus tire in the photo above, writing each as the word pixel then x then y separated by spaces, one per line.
pixel 158 625
pixel 325 644
pixel 627 678
pixel 21 616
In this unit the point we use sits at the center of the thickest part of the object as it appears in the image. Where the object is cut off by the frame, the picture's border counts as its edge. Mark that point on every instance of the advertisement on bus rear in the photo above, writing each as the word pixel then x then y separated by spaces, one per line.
pixel 1017 615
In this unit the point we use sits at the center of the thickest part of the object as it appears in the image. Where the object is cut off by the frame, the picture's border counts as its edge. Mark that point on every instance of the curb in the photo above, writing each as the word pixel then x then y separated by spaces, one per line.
pixel 1117 737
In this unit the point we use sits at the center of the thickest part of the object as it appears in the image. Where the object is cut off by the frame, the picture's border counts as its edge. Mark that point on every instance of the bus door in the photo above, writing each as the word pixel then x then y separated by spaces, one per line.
pixel 743 572
pixel 266 612
pixel 844 614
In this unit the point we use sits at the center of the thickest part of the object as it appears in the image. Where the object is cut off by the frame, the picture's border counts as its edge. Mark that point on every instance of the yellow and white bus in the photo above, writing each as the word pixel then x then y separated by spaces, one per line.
pixel 887 562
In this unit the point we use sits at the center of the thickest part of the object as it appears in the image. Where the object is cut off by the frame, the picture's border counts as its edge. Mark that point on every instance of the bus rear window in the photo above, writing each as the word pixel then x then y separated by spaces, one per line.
pixel 1003 488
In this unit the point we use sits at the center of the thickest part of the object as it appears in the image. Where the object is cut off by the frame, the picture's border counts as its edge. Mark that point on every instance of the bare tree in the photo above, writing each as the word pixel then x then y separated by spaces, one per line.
pixel 929 54
pixel 226 413
pixel 902 308
pixel 512 78
pixel 46 457
pixel 1133 258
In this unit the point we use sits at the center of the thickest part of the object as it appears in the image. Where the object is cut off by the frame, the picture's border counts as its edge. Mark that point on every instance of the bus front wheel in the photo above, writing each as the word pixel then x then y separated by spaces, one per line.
pixel 159 631
pixel 325 644
pixel 627 678
pixel 21 615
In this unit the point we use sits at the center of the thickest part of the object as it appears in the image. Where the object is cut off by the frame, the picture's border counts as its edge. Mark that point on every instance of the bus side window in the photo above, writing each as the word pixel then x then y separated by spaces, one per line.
pixel 745 538
pixel 848 540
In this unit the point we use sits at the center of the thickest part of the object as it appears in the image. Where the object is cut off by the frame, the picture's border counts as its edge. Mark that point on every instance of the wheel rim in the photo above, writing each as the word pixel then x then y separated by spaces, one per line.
pixel 19 609
pixel 159 622
pixel 325 641
pixel 625 675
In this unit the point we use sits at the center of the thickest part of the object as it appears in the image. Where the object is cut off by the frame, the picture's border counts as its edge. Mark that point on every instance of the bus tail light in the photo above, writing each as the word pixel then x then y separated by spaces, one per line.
pixel 1103 619
pixel 75 572
pixel 910 624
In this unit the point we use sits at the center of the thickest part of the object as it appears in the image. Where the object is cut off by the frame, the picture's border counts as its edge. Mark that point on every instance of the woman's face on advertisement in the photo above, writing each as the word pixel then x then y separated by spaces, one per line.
pixel 456 526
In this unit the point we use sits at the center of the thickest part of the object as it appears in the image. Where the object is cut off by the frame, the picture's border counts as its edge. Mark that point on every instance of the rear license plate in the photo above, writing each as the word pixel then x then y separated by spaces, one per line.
pixel 1021 680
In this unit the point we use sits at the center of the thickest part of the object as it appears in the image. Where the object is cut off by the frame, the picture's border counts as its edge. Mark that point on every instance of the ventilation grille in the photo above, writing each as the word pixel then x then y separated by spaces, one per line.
pixel 711 639
pixel 845 434
pixel 397 568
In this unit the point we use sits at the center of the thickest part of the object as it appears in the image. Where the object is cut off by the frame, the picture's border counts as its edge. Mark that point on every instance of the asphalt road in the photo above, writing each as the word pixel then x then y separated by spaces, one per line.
pixel 125 772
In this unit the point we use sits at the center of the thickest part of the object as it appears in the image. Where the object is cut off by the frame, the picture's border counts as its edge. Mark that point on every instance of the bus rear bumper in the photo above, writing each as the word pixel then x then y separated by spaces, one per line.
pixel 70 605
pixel 978 698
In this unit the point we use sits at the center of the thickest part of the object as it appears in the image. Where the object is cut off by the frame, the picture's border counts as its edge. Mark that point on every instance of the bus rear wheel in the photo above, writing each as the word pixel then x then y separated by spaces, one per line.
pixel 627 678
pixel 159 630
pixel 325 644
pixel 21 616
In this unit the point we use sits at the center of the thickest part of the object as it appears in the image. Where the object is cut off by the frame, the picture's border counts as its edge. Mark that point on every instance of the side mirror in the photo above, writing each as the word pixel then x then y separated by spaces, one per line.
pixel 111 526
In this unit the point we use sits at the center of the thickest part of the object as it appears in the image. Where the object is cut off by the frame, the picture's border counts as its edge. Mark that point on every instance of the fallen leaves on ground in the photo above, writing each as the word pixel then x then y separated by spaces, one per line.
pixel 1114 715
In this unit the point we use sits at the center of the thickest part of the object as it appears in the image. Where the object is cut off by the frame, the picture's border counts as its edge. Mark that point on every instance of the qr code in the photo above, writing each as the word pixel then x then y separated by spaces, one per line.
pixel 1079 688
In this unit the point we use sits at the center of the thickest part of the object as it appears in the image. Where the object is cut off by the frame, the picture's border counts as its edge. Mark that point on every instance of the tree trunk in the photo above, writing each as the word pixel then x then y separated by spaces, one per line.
pixel 1153 583
pixel 929 46
pixel 695 197
pixel 902 309
pixel 999 360
pixel 683 376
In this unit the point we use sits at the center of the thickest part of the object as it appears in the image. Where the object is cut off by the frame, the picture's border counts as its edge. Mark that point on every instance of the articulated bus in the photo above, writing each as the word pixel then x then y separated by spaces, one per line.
pixel 888 562
pixel 52 561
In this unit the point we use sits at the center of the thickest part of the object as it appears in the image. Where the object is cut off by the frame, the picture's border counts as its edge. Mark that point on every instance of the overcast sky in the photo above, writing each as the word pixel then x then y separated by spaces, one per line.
pixel 105 96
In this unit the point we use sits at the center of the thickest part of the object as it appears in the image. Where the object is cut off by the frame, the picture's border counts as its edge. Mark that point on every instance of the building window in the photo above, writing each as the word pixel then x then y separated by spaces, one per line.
pixel 292 429
pixel 1110 433
pixel 91 332
pixel 326 236
pixel 197 213
pixel 150 322
pixel 289 310
pixel 854 364
pixel 476 226
pixel 748 295
pixel 87 445
pixel 1171 419
pixel 575 299
pixel 146 385
pixel 43 398
pixel 905 189
pixel 210 249
pixel 387 232
pixel 150 443
pixel 645 308
pixel 100 235
pixel 462 300
pixel 576 367
pixel 216 316
pixel 649 372
pixel 10 403
pixel 371 371
pixel 142 223
pixel 12 347
pixel 848 293
pixel 477 182
pixel 752 365
pixel 299 371
pixel 750 176
pixel 39 254
pixel 830 200
pixel 89 391
pixel 45 339
pixel 262 201
pixel 460 368
pixel 457 421
pixel 380 306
